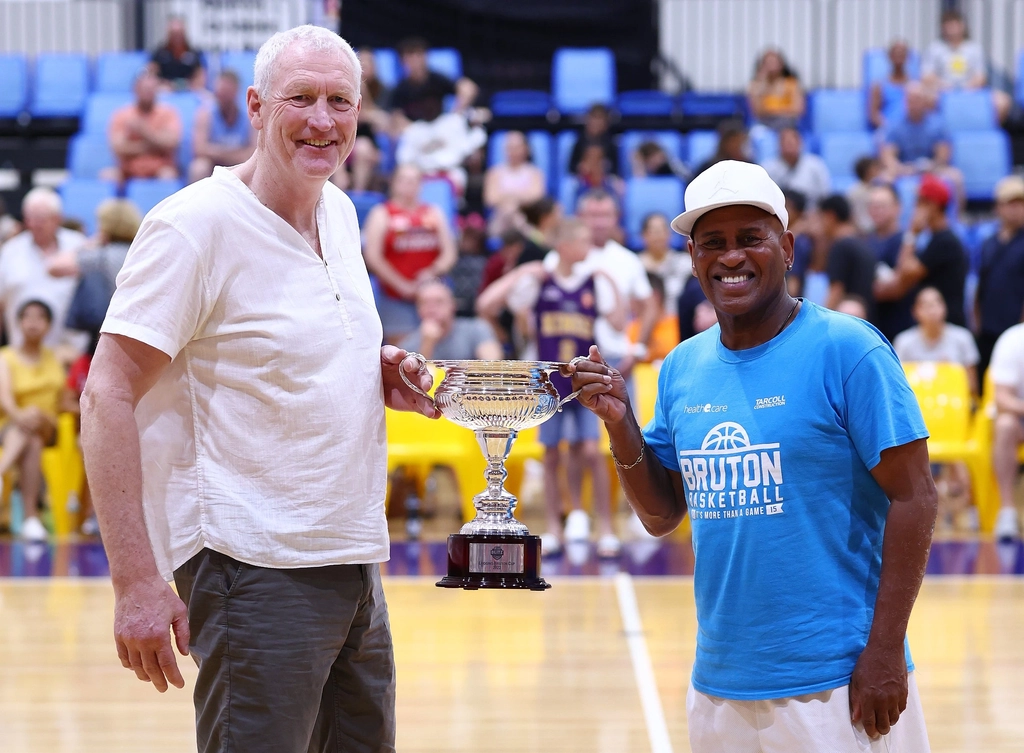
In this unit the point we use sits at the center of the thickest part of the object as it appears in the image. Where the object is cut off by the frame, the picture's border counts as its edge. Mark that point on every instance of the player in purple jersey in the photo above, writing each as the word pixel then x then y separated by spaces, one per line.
pixel 560 308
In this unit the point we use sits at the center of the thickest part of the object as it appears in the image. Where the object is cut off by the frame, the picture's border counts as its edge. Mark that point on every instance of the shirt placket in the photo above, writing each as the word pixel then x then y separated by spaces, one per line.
pixel 346 319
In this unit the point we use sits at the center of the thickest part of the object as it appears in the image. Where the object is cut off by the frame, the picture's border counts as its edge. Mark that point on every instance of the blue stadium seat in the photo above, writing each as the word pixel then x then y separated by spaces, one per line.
pixel 445 60
pixel 81 197
pixel 564 144
pixel 877 66
pixel 61 85
pixel 13 85
pixel 708 104
pixel 187 104
pixel 765 143
pixel 241 62
pixel 645 103
pixel 838 110
pixel 842 150
pixel 88 153
pixel 581 77
pixel 1020 78
pixel 389 68
pixel 670 141
pixel 364 201
pixel 98 109
pixel 520 103
pixel 116 71
pixel 540 149
pixel 147 193
pixel 700 146
pixel 906 187
pixel 439 191
pixel 646 195
pixel 567 189
pixel 968 110
pixel 983 157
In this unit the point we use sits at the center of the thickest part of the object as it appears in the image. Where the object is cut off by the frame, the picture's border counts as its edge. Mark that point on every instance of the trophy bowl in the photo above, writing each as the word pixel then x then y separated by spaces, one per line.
pixel 496 400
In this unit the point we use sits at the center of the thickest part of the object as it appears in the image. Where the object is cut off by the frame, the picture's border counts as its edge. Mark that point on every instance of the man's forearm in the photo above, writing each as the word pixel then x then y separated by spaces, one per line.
pixel 907 539
pixel 648 485
pixel 113 463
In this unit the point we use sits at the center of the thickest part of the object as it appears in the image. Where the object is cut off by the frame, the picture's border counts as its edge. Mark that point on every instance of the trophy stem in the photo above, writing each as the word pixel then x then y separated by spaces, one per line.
pixel 495 506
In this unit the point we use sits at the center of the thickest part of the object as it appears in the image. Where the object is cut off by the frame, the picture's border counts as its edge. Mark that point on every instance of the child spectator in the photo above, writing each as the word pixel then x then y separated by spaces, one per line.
pixel 665 334
pixel 867 170
pixel 775 96
pixel 595 133
pixel 1007 368
pixel 563 306
pixel 658 257
pixel 31 381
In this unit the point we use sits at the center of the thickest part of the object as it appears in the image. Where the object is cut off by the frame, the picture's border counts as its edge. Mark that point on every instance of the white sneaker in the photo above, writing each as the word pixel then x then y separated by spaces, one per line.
pixel 608 546
pixel 32 529
pixel 1007 528
pixel 577 526
pixel 550 544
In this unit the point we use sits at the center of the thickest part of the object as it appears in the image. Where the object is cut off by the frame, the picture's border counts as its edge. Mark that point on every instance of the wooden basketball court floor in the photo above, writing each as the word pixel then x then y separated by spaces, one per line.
pixel 599 663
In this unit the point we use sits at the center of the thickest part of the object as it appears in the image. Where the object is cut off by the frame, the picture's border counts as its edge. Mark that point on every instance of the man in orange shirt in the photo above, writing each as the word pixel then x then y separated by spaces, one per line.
pixel 144 135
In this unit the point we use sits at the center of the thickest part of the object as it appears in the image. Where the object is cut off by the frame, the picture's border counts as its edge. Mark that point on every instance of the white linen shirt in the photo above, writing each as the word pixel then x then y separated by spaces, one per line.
pixel 24 277
pixel 264 438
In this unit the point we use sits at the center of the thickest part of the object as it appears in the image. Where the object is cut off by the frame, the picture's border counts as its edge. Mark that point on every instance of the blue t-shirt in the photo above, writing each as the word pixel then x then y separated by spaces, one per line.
pixel 916 141
pixel 775 446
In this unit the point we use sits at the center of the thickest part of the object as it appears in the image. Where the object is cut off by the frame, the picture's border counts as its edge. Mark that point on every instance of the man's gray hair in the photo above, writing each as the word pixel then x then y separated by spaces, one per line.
pixel 314 38
pixel 45 198
pixel 596 194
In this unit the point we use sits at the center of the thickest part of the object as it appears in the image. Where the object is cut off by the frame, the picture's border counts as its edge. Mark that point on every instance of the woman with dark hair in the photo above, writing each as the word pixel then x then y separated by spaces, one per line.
pixel 775 96
pixel 31 380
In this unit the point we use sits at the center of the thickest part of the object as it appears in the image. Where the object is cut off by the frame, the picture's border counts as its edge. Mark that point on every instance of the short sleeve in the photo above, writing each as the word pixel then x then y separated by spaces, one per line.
pixel 657 433
pixel 161 297
pixel 970 349
pixel 523 296
pixel 881 410
pixel 1005 359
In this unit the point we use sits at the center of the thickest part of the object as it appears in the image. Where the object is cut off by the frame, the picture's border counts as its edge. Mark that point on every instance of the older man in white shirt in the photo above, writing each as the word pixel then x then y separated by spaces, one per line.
pixel 25 268
pixel 233 427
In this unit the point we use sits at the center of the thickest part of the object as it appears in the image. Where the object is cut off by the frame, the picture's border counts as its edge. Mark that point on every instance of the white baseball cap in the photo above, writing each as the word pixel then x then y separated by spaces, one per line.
pixel 727 183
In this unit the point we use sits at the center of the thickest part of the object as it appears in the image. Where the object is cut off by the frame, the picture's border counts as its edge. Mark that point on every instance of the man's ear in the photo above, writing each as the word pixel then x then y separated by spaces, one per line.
pixel 254 107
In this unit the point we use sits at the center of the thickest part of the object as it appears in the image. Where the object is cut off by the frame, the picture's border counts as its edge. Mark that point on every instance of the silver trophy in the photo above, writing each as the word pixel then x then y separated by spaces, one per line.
pixel 497 400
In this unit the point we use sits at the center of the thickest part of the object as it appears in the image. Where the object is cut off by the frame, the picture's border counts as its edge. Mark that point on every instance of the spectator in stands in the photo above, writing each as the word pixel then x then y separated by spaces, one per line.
pixel 541 218
pixel 919 143
pixel 511 184
pixel 803 246
pixel 1000 296
pixel 955 62
pixel 891 317
pixel 733 144
pixel 175 62
pixel 31 380
pixel 468 272
pixel 690 302
pixel 71 403
pixel 24 270
pixel 405 243
pixel 1007 369
pixel 853 305
pixel 665 334
pixel 650 160
pixel 797 170
pixel 592 175
pixel 420 95
pixel 704 317
pixel 9 226
pixel 595 132
pixel 885 101
pixel 600 213
pixel 867 170
pixel 775 96
pixel 658 257
pixel 443 335
pixel 222 134
pixel 144 135
pixel 851 264
pixel 941 264
pixel 935 339
pixel 374 119
pixel 564 303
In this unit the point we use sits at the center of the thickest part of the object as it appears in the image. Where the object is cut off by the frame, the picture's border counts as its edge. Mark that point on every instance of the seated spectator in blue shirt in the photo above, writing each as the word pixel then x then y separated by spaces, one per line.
pixel 886 102
pixel 1000 298
pixel 222 134
pixel 895 316
pixel 919 143
pixel 797 170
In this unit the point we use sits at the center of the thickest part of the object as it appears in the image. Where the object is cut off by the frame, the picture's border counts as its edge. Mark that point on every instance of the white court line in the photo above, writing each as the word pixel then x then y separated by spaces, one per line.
pixel 654 715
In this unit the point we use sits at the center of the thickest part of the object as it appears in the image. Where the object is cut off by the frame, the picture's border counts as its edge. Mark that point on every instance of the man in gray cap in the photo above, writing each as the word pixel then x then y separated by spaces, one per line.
pixel 789 434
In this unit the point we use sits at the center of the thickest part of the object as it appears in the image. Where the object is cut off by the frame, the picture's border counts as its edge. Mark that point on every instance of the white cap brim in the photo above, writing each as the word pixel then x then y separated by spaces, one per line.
pixel 684 222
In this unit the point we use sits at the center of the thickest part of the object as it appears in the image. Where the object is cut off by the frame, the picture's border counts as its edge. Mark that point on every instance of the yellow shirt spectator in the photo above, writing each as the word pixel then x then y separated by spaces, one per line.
pixel 35 384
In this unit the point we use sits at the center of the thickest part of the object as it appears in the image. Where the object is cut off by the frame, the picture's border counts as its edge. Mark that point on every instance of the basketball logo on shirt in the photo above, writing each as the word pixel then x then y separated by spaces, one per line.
pixel 728 477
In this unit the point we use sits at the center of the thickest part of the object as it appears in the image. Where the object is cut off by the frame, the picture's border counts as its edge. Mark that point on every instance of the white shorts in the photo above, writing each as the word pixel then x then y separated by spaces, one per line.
pixel 812 723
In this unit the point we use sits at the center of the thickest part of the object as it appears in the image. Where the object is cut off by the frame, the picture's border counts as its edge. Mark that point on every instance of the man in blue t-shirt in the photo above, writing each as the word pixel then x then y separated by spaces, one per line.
pixel 790 435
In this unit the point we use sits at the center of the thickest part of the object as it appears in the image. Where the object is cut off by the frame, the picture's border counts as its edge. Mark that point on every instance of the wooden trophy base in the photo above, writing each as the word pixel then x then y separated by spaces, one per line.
pixel 493 561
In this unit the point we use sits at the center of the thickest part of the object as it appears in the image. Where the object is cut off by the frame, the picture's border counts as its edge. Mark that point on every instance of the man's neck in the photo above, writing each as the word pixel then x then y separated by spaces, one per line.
pixel 845 230
pixel 939 224
pixel 933 332
pixel 46 245
pixel 792 162
pixel 294 202
pixel 757 327
pixel 884 231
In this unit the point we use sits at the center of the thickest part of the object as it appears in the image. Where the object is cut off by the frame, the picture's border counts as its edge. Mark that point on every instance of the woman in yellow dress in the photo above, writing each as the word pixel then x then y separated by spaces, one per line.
pixel 31 382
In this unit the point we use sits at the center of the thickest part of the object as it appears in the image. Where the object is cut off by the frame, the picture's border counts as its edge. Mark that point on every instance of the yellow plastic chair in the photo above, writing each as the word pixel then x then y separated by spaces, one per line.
pixel 943 393
pixel 645 378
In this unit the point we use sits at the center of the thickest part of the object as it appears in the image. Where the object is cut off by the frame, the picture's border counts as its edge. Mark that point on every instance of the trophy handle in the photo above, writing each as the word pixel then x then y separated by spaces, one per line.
pixel 567 398
pixel 401 373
